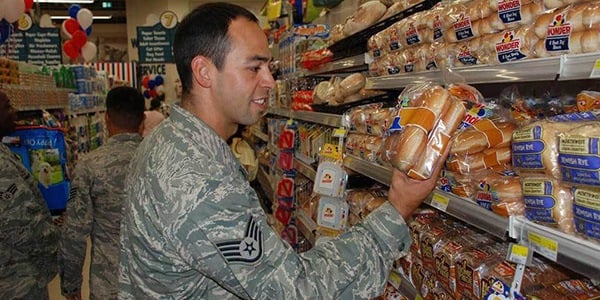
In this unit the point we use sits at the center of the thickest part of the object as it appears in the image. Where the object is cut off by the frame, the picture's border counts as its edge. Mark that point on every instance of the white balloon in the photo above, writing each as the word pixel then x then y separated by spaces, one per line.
pixel 160 89
pixel 45 21
pixel 151 20
pixel 64 30
pixel 88 51
pixel 13 10
pixel 85 18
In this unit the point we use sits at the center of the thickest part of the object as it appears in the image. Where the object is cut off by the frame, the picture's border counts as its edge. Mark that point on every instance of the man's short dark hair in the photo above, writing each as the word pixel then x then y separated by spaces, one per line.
pixel 125 107
pixel 204 32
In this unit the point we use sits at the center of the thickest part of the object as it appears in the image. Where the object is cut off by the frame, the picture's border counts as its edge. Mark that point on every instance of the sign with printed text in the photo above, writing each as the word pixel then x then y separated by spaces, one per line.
pixel 35 45
pixel 155 43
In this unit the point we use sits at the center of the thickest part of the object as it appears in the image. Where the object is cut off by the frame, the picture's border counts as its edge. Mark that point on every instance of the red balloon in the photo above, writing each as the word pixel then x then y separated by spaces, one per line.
pixel 145 81
pixel 28 5
pixel 71 25
pixel 79 38
pixel 153 93
pixel 71 50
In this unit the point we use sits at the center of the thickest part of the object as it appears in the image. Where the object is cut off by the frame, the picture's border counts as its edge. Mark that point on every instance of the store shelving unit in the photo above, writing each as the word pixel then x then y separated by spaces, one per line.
pixel 564 67
pixel 305 169
pixel 460 208
pixel 86 111
pixel 306 226
pixel 265 183
pixel 572 252
pixel 347 65
pixel 308 116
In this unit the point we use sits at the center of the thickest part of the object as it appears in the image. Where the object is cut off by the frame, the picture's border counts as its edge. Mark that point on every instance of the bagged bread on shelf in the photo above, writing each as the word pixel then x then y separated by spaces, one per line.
pixel 500 192
pixel 420 219
pixel 578 155
pixel 473 267
pixel 535 145
pixel 352 84
pixel 548 202
pixel 366 15
pixel 586 207
pixel 588 100
pixel 580 289
pixel 482 135
pixel 467 163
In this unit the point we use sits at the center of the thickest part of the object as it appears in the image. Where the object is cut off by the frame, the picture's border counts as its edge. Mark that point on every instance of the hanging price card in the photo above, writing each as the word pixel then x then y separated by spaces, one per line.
pixel 596 70
pixel 519 254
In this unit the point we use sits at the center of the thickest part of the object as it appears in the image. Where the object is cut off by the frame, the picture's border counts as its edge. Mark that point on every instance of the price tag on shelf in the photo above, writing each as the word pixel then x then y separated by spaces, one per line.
pixel 395 280
pixel 439 201
pixel 596 70
pixel 519 254
pixel 543 245
pixel 339 132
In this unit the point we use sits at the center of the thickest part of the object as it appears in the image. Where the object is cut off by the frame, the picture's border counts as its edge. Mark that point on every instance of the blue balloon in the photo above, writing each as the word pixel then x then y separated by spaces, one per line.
pixel 147 94
pixel 88 31
pixel 158 80
pixel 151 84
pixel 73 10
pixel 5 29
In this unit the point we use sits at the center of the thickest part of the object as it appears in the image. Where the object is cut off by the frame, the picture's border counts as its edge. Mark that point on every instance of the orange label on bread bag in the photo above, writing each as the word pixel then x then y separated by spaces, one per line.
pixel 493 135
pixel 418 116
pixel 491 159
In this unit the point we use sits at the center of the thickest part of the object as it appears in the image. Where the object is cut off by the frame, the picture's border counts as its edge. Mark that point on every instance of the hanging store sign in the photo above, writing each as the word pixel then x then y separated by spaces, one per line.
pixel 35 45
pixel 155 43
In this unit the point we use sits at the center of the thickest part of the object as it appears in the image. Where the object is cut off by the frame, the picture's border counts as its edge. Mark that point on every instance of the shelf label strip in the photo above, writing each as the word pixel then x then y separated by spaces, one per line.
pixel 543 245
pixel 439 201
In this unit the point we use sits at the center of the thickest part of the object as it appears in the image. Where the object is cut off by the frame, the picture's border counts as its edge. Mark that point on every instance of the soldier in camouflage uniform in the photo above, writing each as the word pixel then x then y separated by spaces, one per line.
pixel 193 227
pixel 96 196
pixel 28 238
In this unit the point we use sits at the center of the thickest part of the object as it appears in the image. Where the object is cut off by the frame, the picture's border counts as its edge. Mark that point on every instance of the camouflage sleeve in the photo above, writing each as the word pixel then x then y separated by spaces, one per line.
pixel 76 229
pixel 26 228
pixel 354 266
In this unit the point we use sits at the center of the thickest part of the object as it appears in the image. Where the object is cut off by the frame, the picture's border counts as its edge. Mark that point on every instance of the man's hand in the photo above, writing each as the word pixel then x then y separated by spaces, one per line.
pixel 74 296
pixel 406 194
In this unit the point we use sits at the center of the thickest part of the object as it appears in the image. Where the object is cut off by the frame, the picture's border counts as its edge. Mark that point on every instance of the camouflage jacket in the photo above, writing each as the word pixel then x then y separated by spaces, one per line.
pixel 28 238
pixel 193 228
pixel 94 210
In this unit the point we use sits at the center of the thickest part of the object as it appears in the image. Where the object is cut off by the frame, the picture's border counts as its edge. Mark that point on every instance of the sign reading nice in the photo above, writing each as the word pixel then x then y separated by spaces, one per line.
pixel 77 28
pixel 10 12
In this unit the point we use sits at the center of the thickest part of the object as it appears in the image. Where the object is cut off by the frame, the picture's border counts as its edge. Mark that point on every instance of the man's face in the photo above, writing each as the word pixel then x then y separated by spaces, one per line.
pixel 243 83
pixel 8 116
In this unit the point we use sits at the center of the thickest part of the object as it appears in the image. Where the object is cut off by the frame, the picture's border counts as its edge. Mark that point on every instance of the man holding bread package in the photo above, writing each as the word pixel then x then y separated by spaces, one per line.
pixel 193 228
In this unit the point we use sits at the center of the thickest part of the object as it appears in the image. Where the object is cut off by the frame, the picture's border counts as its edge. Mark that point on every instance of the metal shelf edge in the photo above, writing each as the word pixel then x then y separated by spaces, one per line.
pixel 308 226
pixel 261 135
pixel 263 180
pixel 472 214
pixel 309 116
pixel 574 253
pixel 379 173
pixel 305 169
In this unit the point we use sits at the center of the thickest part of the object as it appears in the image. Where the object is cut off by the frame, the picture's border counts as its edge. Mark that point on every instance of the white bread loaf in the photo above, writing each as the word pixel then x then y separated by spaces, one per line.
pixel 352 84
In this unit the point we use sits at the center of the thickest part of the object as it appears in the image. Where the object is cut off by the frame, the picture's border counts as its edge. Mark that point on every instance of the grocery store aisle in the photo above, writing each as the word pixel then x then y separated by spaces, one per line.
pixel 54 286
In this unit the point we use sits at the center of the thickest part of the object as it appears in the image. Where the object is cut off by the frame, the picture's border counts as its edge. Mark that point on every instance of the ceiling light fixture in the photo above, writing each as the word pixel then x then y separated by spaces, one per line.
pixel 65 1
pixel 94 17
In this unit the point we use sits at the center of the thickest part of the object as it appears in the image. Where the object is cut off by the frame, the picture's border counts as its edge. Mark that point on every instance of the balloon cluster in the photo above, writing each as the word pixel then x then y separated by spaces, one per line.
pixel 10 12
pixel 77 28
pixel 153 86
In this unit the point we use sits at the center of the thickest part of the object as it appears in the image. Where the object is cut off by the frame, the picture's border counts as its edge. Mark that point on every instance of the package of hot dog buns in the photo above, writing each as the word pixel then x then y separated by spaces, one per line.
pixel 428 116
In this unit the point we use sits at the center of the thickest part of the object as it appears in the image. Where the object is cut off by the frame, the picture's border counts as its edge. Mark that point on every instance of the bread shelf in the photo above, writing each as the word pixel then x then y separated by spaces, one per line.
pixel 565 67
pixel 572 252
pixel 350 64
pixel 309 116
pixel 305 169
pixel 404 286
pixel 460 208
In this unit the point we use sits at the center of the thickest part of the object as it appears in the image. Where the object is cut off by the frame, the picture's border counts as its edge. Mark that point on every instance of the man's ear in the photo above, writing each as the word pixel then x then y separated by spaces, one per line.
pixel 201 71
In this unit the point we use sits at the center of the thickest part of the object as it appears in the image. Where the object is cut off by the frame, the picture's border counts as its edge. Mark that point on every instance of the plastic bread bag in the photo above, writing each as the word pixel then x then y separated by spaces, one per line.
pixel 484 134
pixel 467 163
pixel 501 193
pixel 535 145
pixel 548 202
pixel 578 155
pixel 580 289
pixel 473 267
pixel 586 203
pixel 588 100
pixel 415 121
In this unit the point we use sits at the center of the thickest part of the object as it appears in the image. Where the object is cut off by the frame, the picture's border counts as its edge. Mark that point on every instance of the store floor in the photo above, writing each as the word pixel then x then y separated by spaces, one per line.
pixel 54 286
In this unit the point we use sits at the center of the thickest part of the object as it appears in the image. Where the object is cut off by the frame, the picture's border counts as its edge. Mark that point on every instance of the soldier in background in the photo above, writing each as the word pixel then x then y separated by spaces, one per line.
pixel 28 238
pixel 96 196
pixel 193 227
